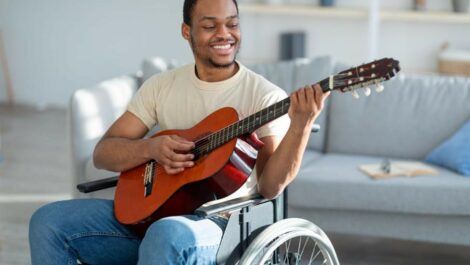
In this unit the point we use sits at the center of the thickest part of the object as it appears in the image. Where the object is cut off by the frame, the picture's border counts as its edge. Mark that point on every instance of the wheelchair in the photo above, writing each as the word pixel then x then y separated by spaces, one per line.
pixel 258 231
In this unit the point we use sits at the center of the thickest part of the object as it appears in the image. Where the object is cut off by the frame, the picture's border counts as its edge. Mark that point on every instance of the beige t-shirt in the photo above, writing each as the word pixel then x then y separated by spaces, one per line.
pixel 178 99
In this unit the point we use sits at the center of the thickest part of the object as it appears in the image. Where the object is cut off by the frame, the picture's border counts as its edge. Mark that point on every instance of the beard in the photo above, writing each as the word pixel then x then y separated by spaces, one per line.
pixel 206 60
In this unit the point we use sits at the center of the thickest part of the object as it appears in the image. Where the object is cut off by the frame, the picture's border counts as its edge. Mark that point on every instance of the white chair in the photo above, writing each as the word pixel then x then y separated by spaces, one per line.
pixel 91 112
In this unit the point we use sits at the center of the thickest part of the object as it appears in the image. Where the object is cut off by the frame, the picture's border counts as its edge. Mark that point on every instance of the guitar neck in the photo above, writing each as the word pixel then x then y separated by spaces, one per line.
pixel 248 124
pixel 260 118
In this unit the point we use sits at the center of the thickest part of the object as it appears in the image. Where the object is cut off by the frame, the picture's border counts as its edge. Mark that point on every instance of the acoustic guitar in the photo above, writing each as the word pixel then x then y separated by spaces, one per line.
pixel 225 154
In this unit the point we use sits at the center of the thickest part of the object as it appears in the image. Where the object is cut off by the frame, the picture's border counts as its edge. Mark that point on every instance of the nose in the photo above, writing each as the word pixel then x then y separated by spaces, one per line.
pixel 222 31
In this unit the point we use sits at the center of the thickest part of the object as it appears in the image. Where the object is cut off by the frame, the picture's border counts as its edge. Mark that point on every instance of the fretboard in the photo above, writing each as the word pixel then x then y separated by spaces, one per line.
pixel 247 125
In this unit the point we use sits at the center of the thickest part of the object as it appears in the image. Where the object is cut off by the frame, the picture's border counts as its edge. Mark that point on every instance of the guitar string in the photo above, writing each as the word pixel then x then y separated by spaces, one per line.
pixel 202 148
pixel 223 135
pixel 277 110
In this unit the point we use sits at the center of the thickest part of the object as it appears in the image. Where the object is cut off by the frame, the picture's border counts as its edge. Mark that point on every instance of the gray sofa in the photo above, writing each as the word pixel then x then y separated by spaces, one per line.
pixel 411 117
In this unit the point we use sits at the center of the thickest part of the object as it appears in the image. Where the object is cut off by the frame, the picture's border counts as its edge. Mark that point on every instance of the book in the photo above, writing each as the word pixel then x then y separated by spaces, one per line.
pixel 387 169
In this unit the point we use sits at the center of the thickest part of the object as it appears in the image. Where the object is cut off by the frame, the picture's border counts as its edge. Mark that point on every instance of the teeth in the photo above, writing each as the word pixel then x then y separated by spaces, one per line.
pixel 227 46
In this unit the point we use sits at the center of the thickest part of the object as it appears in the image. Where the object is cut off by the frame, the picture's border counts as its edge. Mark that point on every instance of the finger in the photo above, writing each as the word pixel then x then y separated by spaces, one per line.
pixel 299 97
pixel 305 92
pixel 318 89
pixel 294 98
pixel 318 95
pixel 179 144
pixel 310 94
pixel 180 139
pixel 325 95
pixel 172 171
pixel 175 157
pixel 181 164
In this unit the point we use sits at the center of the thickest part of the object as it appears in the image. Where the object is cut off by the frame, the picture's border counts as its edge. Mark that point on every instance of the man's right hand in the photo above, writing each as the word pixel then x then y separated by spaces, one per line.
pixel 172 152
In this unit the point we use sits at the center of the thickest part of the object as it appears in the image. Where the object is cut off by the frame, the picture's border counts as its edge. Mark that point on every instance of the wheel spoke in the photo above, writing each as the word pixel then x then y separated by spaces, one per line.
pixel 309 245
pixel 313 252
pixel 305 245
pixel 286 253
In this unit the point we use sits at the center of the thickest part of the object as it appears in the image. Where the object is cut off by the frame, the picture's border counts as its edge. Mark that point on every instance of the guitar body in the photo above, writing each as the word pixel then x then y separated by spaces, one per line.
pixel 213 175
pixel 223 160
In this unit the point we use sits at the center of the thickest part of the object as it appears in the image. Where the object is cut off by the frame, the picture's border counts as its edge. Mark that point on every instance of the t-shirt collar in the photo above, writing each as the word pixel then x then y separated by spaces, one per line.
pixel 220 85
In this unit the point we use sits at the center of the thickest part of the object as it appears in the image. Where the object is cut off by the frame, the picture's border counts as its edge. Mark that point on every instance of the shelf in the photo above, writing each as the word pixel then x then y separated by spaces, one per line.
pixel 302 10
pixel 337 12
pixel 425 16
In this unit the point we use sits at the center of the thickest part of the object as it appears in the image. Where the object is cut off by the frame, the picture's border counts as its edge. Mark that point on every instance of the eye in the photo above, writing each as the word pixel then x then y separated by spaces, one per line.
pixel 233 25
pixel 208 27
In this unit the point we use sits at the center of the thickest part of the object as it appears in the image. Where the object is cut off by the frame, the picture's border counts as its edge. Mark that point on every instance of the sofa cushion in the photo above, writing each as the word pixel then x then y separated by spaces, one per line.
pixel 280 73
pixel 310 71
pixel 291 75
pixel 333 181
pixel 156 65
pixel 454 153
pixel 91 112
pixel 411 117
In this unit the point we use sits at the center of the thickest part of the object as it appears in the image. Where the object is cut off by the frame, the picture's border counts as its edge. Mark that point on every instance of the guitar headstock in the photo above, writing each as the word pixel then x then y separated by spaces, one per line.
pixel 365 75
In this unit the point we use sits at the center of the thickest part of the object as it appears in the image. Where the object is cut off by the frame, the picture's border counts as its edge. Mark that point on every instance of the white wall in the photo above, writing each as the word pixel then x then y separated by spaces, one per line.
pixel 57 46
pixel 415 44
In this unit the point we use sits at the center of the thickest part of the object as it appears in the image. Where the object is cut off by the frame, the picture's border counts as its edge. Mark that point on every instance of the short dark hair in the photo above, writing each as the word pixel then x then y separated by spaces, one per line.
pixel 188 9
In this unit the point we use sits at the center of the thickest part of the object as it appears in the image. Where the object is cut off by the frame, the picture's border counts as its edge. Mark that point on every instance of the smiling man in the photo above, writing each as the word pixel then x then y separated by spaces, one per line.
pixel 87 231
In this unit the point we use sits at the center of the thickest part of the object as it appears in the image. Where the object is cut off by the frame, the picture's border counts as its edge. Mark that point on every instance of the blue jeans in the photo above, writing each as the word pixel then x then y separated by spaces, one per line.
pixel 86 230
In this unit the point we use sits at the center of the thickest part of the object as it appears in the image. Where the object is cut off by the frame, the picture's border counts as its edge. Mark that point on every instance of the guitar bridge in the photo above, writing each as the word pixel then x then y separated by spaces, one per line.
pixel 148 177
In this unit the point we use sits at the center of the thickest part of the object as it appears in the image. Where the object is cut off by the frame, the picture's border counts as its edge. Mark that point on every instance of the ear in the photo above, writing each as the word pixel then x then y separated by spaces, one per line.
pixel 185 31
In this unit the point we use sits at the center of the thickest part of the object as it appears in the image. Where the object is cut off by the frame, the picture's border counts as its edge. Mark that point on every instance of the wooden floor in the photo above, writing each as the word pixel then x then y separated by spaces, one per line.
pixel 35 170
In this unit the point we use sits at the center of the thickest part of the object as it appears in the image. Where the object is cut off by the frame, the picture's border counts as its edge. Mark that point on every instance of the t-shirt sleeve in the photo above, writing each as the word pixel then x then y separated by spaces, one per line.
pixel 279 126
pixel 143 105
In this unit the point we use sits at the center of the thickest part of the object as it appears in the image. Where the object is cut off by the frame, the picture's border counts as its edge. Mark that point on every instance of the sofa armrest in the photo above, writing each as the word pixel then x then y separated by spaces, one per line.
pixel 101 184
pixel 230 205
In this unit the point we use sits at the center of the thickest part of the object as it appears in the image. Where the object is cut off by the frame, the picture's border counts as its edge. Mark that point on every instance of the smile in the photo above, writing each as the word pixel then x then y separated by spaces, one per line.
pixel 222 46
pixel 223 49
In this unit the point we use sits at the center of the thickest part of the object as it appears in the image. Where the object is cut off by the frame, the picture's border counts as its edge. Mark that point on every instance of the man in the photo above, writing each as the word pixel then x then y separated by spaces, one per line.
pixel 86 230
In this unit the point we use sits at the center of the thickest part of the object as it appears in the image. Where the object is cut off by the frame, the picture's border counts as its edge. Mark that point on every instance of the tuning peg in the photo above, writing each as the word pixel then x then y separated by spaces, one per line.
pixel 367 91
pixel 379 88
pixel 355 94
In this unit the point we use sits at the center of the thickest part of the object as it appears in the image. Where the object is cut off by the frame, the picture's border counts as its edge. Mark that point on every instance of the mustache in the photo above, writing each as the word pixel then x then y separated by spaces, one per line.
pixel 221 39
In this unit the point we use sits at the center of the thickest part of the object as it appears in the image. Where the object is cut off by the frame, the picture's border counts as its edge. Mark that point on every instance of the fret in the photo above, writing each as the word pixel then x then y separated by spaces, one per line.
pixel 210 144
pixel 244 126
pixel 226 134
pixel 250 118
pixel 214 141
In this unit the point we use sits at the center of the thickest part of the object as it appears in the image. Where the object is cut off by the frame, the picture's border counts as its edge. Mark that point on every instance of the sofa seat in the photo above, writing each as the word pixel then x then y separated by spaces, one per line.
pixel 333 181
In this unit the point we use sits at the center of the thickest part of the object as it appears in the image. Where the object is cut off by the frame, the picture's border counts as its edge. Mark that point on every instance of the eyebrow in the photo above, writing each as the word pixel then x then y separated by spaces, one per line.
pixel 215 18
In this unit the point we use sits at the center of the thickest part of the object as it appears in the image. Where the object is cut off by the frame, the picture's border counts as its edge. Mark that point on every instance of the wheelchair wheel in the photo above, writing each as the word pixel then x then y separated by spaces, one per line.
pixel 290 241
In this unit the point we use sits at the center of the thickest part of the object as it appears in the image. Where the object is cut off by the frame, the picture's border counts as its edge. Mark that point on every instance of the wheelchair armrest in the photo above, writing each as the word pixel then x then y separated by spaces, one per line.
pixel 97 184
pixel 230 205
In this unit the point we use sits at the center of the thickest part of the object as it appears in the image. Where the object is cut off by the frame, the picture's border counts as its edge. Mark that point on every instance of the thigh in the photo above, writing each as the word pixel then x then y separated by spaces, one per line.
pixel 185 239
pixel 89 229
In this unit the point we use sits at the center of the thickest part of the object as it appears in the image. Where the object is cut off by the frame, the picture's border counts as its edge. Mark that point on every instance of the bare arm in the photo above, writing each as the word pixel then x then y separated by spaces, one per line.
pixel 279 161
pixel 123 148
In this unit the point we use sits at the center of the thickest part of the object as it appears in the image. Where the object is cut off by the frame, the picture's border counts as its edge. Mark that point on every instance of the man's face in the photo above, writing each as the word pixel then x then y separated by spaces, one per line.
pixel 214 33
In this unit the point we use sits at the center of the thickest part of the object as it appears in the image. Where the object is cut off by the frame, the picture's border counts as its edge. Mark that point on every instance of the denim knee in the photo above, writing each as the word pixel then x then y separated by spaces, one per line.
pixel 40 223
pixel 169 234
pixel 181 240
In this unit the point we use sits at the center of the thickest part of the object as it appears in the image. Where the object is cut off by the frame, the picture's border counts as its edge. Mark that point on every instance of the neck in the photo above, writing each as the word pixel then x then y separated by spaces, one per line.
pixel 214 74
